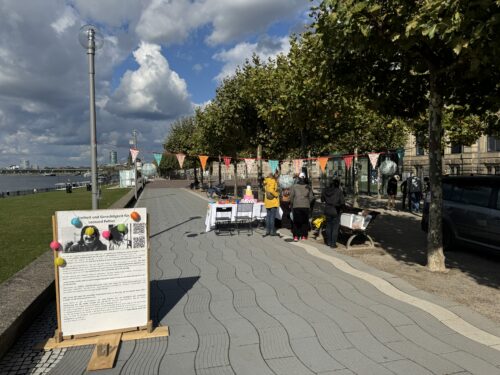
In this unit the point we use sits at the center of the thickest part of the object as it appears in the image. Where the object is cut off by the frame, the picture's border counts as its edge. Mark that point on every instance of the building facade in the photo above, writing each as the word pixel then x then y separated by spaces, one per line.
pixel 113 157
pixel 483 157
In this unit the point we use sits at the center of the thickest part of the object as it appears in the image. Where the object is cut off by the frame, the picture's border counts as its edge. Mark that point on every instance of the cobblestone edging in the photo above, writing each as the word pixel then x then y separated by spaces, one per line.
pixel 24 296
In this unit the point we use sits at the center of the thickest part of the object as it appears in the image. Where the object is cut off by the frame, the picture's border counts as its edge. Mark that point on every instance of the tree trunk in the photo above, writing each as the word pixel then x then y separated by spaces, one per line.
pixel 220 171
pixel 235 177
pixel 435 255
pixel 260 194
pixel 210 174
pixel 356 182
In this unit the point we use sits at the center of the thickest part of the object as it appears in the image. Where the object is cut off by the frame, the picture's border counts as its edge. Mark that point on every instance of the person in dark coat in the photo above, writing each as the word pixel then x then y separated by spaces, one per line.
pixel 334 201
pixel 392 190
pixel 301 197
pixel 404 192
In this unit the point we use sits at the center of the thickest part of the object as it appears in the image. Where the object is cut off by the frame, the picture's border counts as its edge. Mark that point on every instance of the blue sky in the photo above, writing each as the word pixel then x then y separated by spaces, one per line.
pixel 160 59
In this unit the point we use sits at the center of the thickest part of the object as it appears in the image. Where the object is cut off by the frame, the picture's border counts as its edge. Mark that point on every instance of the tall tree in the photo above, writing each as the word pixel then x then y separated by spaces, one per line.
pixel 408 55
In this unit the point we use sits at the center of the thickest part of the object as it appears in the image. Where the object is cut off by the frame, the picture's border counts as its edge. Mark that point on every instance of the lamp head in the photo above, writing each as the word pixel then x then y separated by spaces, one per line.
pixel 90 37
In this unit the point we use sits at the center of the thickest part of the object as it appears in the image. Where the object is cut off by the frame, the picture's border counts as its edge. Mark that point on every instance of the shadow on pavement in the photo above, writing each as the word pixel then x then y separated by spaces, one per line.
pixel 399 234
pixel 165 294
pixel 175 226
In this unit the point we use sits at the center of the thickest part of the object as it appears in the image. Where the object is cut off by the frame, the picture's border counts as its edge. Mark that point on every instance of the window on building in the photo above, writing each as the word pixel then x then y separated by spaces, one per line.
pixel 497 169
pixel 489 169
pixel 419 147
pixel 456 148
pixel 493 144
pixel 455 170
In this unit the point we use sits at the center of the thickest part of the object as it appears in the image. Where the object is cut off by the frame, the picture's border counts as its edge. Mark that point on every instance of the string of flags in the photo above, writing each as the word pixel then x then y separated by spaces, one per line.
pixel 273 163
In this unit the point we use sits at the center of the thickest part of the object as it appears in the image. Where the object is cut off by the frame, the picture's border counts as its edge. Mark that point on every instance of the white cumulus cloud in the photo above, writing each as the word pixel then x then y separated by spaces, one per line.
pixel 152 91
pixel 266 48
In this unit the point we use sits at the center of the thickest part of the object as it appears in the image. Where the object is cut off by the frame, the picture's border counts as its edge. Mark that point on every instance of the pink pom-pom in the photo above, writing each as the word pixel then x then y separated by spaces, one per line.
pixel 54 245
pixel 106 234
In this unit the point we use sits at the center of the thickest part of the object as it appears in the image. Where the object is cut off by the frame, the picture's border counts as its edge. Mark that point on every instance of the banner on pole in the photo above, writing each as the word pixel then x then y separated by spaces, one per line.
pixel 227 162
pixel 297 164
pixel 203 160
pixel 134 152
pixel 373 156
pixel 158 157
pixel 250 163
pixel 273 164
pixel 348 161
pixel 180 159
pixel 322 163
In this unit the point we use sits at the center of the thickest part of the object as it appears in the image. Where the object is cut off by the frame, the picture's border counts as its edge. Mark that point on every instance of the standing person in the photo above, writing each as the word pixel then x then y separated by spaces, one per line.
pixel 415 190
pixel 392 190
pixel 334 201
pixel 301 197
pixel 404 192
pixel 424 224
pixel 271 202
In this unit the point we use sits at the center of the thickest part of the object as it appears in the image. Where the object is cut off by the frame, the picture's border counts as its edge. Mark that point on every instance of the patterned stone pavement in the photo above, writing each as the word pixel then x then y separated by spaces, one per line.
pixel 244 304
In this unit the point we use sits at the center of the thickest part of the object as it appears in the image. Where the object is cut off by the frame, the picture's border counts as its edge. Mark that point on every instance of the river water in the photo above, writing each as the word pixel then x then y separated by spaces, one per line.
pixel 29 182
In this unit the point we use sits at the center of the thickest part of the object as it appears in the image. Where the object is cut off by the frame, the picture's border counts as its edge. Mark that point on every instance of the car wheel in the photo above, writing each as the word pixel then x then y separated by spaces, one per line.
pixel 448 238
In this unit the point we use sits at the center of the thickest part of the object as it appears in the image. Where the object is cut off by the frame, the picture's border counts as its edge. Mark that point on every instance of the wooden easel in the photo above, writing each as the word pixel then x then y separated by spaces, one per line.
pixel 107 344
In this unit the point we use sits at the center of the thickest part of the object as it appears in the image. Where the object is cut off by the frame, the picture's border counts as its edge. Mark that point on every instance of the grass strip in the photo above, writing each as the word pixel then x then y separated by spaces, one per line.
pixel 26 223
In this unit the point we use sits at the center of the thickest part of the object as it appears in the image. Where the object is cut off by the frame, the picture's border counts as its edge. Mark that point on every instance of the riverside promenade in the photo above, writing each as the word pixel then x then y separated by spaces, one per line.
pixel 244 304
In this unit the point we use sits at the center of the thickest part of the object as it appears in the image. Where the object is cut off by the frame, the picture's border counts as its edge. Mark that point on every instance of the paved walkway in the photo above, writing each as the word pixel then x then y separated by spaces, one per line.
pixel 244 304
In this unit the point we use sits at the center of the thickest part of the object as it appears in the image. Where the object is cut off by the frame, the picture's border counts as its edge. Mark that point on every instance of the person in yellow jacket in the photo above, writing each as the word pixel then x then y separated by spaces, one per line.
pixel 271 202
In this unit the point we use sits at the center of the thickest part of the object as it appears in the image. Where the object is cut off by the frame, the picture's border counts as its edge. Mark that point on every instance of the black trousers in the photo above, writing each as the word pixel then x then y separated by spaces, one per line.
pixel 300 227
pixel 332 229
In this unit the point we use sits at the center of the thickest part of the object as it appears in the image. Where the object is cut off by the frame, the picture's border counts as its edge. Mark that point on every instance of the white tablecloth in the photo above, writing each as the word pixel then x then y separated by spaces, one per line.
pixel 210 219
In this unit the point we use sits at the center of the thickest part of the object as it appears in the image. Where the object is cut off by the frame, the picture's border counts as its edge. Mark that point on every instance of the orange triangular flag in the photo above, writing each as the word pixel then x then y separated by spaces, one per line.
pixel 322 163
pixel 203 160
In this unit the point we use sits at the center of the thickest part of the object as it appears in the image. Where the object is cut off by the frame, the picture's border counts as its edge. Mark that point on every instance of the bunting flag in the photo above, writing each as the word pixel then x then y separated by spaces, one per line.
pixel 203 160
pixel 401 153
pixel 273 164
pixel 250 163
pixel 373 159
pixel 322 163
pixel 180 159
pixel 134 152
pixel 227 162
pixel 348 161
pixel 297 165
pixel 158 157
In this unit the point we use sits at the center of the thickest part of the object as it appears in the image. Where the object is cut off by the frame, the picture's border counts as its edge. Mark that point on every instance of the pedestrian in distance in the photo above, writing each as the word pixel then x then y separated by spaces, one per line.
pixel 404 192
pixel 392 189
pixel 415 192
pixel 301 197
pixel 271 202
pixel 334 202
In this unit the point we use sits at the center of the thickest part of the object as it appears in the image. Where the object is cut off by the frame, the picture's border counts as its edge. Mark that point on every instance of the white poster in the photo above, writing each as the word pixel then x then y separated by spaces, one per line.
pixel 103 284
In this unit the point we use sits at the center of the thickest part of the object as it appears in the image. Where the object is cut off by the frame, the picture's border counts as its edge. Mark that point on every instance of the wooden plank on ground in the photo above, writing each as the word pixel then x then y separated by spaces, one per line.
pixel 104 354
pixel 126 336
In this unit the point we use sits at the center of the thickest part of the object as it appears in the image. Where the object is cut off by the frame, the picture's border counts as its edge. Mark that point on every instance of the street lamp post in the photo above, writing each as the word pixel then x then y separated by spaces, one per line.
pixel 134 142
pixel 91 39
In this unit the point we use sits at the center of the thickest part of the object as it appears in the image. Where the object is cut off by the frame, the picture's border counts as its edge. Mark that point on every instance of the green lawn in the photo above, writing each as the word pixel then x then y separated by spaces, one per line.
pixel 26 223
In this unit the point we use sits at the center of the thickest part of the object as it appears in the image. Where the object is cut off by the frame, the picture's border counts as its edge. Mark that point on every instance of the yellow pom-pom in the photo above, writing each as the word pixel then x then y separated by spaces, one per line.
pixel 59 262
pixel 89 231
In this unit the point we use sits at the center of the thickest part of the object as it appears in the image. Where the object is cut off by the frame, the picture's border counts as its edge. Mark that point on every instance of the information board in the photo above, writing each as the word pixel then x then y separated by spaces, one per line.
pixel 103 283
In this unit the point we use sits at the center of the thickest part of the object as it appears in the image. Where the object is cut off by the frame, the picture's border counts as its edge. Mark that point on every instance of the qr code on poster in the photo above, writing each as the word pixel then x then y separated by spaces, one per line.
pixel 139 228
pixel 139 242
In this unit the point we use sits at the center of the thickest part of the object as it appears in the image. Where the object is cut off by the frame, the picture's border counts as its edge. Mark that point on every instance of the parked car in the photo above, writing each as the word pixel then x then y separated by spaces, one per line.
pixel 471 211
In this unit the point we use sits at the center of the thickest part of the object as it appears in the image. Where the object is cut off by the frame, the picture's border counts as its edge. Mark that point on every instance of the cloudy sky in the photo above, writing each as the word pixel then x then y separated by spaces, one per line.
pixel 160 59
